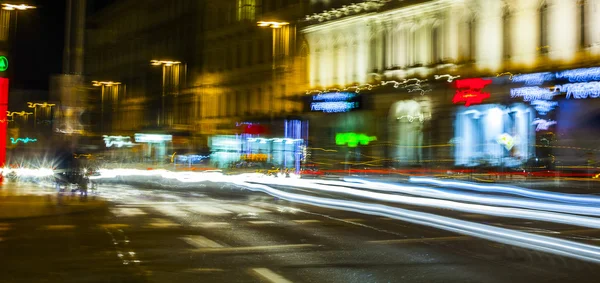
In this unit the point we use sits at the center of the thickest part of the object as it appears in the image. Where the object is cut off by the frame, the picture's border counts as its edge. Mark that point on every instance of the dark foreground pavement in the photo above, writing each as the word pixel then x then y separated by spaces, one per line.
pixel 225 235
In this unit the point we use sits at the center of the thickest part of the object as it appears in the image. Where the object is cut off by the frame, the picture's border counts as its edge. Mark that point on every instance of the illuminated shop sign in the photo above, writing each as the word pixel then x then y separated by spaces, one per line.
pixel 506 140
pixel 582 83
pixel 152 138
pixel 117 141
pixel 353 139
pixel 533 79
pixel 23 140
pixel 544 106
pixel 531 93
pixel 470 91
pixel 542 124
pixel 255 157
pixel 335 102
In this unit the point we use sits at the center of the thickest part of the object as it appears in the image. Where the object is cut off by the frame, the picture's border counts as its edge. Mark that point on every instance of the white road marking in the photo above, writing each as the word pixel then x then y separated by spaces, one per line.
pixel 207 209
pixel 211 224
pixel 205 270
pixel 162 223
pixel 421 240
pixel 114 226
pixel 261 222
pixel 201 242
pixel 270 275
pixel 238 208
pixel 253 248
pixel 127 211
pixel 307 221
pixel 58 227
pixel 352 220
pixel 170 211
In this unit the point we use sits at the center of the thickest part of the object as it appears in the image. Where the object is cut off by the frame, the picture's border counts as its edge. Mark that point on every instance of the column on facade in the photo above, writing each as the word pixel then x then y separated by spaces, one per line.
pixel 388 54
pixel 400 40
pixel 313 64
pixel 424 45
pixel 563 32
pixel 525 35
pixel 489 35
pixel 361 53
pixel 451 31
pixel 342 57
pixel 593 25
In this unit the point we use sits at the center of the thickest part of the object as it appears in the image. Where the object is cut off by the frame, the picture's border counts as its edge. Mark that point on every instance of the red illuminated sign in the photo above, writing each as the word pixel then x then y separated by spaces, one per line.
pixel 254 129
pixel 470 91
pixel 3 121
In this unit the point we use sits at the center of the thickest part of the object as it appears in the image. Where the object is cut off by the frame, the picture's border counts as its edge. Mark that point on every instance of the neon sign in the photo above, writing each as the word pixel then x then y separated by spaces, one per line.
pixel 580 90
pixel 506 140
pixel 533 79
pixel 544 106
pixel 543 125
pixel 470 91
pixel 117 141
pixel 580 75
pixel 531 93
pixel 335 102
pixel 3 63
pixel 152 138
pixel 23 140
pixel 353 139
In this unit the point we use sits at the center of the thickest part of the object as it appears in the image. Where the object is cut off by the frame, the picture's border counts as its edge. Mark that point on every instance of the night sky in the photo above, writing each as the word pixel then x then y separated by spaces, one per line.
pixel 39 42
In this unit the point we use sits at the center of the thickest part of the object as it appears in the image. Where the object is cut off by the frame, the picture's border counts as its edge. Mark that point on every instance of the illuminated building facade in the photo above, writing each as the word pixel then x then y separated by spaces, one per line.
pixel 422 48
pixel 122 40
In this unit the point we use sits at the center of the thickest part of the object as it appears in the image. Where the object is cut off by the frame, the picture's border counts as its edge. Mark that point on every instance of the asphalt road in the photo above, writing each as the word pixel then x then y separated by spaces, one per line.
pixel 223 234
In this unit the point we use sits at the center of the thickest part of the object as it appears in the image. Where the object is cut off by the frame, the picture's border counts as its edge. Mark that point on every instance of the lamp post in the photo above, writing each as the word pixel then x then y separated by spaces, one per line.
pixel 20 113
pixel 16 8
pixel 103 85
pixel 35 105
pixel 165 64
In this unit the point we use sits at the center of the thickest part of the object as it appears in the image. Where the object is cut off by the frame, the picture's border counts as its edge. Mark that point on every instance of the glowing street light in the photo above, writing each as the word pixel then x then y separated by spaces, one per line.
pixel 272 24
pixel 35 105
pixel 104 84
pixel 21 113
pixel 20 7
pixel 166 63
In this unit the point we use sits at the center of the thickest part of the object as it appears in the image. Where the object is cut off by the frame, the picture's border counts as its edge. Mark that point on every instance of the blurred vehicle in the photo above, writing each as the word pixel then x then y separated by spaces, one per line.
pixel 311 170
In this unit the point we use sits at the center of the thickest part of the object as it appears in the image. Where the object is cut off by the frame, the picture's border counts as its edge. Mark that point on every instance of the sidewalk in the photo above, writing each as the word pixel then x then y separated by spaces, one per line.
pixel 26 200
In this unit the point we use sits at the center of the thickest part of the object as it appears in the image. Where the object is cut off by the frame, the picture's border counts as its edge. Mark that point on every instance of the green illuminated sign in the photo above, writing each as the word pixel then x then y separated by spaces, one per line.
pixel 3 63
pixel 353 139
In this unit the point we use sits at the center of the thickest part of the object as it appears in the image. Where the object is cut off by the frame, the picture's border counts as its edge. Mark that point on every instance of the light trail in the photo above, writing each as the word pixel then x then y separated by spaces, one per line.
pixel 465 197
pixel 496 234
pixel 503 189
pixel 568 219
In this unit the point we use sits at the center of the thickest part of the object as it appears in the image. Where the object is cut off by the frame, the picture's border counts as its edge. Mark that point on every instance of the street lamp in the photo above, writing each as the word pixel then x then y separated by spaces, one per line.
pixel 103 85
pixel 35 105
pixel 21 113
pixel 165 64
pixel 20 7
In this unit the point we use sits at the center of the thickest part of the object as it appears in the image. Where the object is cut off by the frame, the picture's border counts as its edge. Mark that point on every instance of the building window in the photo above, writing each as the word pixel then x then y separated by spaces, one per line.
pixel 472 39
pixel 238 56
pixel 583 39
pixel 435 45
pixel 247 9
pixel 506 33
pixel 544 29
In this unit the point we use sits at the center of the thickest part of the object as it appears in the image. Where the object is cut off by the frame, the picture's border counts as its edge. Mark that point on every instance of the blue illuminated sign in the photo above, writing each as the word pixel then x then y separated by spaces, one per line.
pixel 335 102
pixel 582 83
pixel 533 79
pixel 544 106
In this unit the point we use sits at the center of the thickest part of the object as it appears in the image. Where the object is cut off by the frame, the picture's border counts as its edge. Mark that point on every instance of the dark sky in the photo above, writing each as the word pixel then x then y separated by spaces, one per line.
pixel 39 42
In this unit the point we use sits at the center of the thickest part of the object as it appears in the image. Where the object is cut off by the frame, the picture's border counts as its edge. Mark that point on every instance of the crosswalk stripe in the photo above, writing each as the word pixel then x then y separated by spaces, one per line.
pixel 261 222
pixel 201 242
pixel 114 226
pixel 207 210
pixel 127 211
pixel 170 211
pixel 421 240
pixel 162 223
pixel 303 221
pixel 211 224
pixel 58 227
pixel 254 248
pixel 238 208
pixel 270 275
